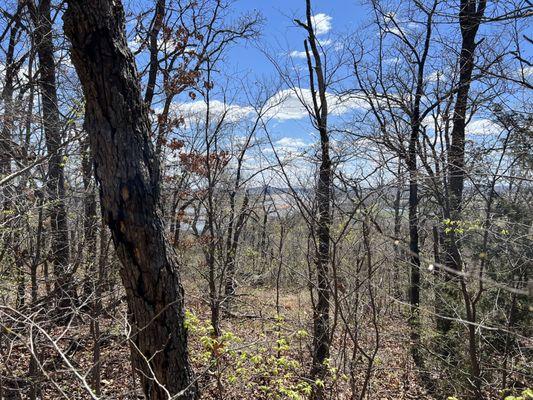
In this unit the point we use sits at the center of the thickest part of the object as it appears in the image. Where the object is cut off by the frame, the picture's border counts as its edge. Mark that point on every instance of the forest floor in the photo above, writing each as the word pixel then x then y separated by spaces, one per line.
pixel 259 355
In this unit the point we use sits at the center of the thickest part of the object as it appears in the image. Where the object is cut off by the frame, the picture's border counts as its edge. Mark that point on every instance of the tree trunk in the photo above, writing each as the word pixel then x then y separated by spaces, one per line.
pixel 321 323
pixel 157 24
pixel 64 285
pixel 322 336
pixel 414 250
pixel 8 117
pixel 470 15
pixel 117 122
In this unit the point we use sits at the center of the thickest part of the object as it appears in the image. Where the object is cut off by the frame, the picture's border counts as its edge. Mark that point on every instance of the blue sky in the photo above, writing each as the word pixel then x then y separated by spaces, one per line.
pixel 246 62
pixel 281 36
pixel 279 30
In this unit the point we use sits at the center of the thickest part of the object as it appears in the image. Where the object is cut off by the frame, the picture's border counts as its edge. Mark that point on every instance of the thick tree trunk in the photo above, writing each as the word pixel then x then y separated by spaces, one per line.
pixel 127 172
pixel 64 286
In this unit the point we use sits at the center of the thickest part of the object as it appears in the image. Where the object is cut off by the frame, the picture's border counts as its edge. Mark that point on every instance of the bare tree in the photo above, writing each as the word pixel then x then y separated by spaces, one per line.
pixel 319 115
pixel 64 285
pixel 470 16
pixel 397 100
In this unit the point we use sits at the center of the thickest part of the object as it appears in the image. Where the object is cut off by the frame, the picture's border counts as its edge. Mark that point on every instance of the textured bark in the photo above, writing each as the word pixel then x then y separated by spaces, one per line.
pixel 117 122
pixel 64 286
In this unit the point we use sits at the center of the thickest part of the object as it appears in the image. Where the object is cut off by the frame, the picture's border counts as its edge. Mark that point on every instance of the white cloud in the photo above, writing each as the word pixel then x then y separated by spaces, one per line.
pixel 298 54
pixel 289 144
pixel 285 105
pixel 302 54
pixel 339 105
pixel 392 60
pixel 196 110
pixel 396 26
pixel 436 76
pixel 321 23
pixel 476 127
pixel 134 45
pixel 483 127
pixel 293 104
pixel 394 31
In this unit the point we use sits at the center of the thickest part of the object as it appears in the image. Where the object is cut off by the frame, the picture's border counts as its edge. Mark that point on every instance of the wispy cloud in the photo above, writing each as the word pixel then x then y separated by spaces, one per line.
pixel 483 127
pixel 196 111
pixel 298 54
pixel 321 23
pixel 303 55
pixel 285 105
pixel 293 104
pixel 290 144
